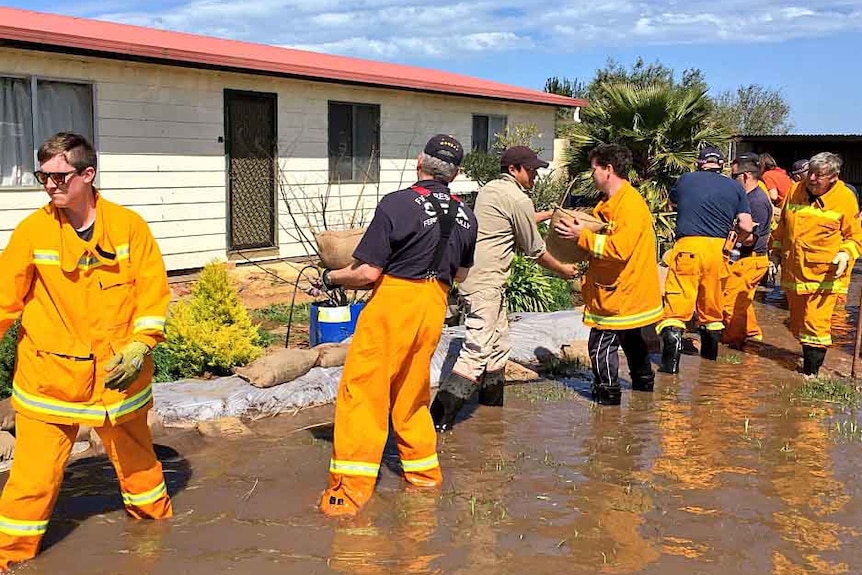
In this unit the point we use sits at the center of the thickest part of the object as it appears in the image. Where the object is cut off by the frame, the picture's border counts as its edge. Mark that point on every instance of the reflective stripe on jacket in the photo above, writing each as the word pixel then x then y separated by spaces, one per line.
pixel 80 303
pixel 621 286
pixel 810 234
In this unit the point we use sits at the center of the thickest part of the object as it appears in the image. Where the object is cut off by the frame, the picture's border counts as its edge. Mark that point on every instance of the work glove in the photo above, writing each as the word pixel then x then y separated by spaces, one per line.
pixel 125 367
pixel 841 260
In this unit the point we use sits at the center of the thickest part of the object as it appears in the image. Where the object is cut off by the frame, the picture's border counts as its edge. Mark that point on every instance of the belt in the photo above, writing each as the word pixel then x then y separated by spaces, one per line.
pixel 752 254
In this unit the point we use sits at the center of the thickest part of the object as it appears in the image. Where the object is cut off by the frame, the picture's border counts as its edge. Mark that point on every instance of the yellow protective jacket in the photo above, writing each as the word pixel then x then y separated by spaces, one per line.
pixel 621 286
pixel 811 233
pixel 80 303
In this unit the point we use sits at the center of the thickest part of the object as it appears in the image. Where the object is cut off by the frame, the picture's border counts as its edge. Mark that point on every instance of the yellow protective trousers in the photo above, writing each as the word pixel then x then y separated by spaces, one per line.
pixel 740 321
pixel 387 369
pixel 695 283
pixel 41 453
pixel 811 317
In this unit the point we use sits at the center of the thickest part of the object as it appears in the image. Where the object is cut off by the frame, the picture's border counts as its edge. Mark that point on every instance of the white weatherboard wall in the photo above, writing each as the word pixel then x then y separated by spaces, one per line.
pixel 158 129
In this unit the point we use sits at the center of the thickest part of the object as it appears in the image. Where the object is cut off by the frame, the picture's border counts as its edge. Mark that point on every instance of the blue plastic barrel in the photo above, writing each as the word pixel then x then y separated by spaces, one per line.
pixel 332 324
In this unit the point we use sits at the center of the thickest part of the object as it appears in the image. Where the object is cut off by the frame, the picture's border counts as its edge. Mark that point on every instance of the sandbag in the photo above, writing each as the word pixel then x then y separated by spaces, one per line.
pixel 278 367
pixel 568 251
pixel 336 247
pixel 331 354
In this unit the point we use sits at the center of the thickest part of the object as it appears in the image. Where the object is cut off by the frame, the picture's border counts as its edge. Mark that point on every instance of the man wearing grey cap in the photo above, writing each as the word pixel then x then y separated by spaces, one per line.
pixel 507 220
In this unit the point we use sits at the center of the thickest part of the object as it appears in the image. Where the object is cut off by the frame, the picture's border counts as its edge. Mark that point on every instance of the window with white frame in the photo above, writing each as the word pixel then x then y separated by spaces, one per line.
pixel 33 109
pixel 485 129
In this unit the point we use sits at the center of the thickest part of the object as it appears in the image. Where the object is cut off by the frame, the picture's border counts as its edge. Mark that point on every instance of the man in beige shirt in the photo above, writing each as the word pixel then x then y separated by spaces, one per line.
pixel 507 220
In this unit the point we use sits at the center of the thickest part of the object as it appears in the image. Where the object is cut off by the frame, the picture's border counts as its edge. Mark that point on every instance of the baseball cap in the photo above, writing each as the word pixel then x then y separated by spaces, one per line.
pixel 748 157
pixel 445 148
pixel 522 156
pixel 710 154
pixel 799 167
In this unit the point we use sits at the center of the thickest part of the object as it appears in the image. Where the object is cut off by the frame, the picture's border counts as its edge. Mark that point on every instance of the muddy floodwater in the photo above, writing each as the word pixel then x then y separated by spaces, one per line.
pixel 721 470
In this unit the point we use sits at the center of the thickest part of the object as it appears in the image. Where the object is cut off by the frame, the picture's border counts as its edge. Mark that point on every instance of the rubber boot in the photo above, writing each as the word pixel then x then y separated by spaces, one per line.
pixel 607 395
pixel 643 382
pixel 454 391
pixel 812 359
pixel 671 349
pixel 709 340
pixel 491 390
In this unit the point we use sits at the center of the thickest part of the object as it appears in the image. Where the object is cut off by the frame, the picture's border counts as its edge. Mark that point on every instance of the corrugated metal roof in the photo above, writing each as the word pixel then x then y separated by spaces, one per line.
pixel 22 28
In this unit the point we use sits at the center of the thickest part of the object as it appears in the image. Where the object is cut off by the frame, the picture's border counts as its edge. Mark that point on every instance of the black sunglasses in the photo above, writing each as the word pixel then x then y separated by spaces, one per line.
pixel 59 178
pixel 736 174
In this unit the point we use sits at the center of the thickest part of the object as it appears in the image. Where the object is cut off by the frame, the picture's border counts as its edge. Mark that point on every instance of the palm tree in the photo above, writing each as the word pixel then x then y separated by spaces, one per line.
pixel 663 125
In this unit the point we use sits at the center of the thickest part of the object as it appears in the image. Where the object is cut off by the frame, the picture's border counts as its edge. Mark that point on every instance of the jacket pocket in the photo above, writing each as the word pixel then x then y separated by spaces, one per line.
pixel 605 298
pixel 116 299
pixel 65 377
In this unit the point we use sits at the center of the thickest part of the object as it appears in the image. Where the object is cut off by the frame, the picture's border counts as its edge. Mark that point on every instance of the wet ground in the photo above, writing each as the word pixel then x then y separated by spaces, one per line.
pixel 720 470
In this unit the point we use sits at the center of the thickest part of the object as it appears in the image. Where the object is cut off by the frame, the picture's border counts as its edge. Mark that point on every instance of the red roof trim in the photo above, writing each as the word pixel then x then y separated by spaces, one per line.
pixel 121 40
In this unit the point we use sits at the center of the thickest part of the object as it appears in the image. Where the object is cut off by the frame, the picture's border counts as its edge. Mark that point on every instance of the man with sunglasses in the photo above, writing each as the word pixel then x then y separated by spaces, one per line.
pixel 88 282
pixel 744 274
pixel 817 242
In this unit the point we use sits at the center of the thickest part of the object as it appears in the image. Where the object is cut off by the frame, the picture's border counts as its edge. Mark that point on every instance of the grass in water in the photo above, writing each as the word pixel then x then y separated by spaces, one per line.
pixel 731 358
pixel 832 390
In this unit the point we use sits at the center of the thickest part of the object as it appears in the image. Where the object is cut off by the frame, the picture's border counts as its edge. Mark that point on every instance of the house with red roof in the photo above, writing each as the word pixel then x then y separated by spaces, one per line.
pixel 232 150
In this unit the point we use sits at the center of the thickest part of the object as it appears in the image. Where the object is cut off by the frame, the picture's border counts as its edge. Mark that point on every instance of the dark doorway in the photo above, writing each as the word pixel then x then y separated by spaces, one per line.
pixel 252 151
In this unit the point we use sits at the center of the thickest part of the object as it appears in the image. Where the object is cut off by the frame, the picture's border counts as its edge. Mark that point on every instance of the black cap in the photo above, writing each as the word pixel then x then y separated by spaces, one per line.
pixel 522 156
pixel 799 167
pixel 445 148
pixel 710 155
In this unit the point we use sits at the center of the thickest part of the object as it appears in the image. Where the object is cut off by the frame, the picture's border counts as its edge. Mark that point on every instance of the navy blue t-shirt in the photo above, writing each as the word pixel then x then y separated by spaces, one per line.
pixel 403 234
pixel 761 213
pixel 706 203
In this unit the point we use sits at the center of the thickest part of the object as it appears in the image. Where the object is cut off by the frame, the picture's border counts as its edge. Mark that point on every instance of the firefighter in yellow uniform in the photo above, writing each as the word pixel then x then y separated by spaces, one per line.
pixel 751 262
pixel 419 241
pixel 708 204
pixel 88 282
pixel 817 242
pixel 621 287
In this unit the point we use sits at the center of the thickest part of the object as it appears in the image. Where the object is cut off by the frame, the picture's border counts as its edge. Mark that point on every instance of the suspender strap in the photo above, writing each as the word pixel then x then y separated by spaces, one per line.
pixel 447 223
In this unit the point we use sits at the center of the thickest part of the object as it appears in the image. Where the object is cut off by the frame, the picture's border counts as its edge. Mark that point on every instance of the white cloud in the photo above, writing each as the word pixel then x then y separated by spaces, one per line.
pixel 393 29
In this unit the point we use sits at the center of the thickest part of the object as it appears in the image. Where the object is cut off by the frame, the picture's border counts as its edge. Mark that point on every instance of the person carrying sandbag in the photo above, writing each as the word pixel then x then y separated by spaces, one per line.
pixel 420 240
pixel 621 287
pixel 507 219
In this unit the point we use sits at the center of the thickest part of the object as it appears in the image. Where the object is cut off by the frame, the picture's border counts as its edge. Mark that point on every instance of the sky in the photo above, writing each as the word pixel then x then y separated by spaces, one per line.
pixel 807 50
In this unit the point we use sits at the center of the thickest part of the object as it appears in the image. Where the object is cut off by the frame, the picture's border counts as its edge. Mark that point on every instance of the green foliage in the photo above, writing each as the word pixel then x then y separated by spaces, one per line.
pixel 664 126
pixel 529 288
pixel 211 331
pixel 517 135
pixel 548 190
pixel 481 167
pixel 754 110
pixel 279 313
pixel 830 390
pixel 8 350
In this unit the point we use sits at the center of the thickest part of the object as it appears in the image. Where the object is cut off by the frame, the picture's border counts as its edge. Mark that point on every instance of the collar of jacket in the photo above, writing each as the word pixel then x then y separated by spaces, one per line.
pixel 74 251
pixel 511 178
pixel 612 203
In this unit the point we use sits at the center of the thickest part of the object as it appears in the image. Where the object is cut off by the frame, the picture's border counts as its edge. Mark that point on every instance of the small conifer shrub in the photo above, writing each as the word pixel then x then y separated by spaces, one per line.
pixel 210 331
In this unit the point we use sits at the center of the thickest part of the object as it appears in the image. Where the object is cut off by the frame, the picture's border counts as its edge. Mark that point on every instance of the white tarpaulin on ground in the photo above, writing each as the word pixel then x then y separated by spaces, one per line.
pixel 532 334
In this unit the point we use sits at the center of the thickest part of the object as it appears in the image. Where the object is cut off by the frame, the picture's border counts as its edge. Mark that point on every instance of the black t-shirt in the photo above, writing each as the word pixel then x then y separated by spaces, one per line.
pixel 403 234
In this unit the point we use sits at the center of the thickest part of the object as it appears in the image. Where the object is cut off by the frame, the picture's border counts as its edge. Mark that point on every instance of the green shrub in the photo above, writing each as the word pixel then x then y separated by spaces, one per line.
pixel 529 288
pixel 8 350
pixel 211 331
pixel 481 167
pixel 548 190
